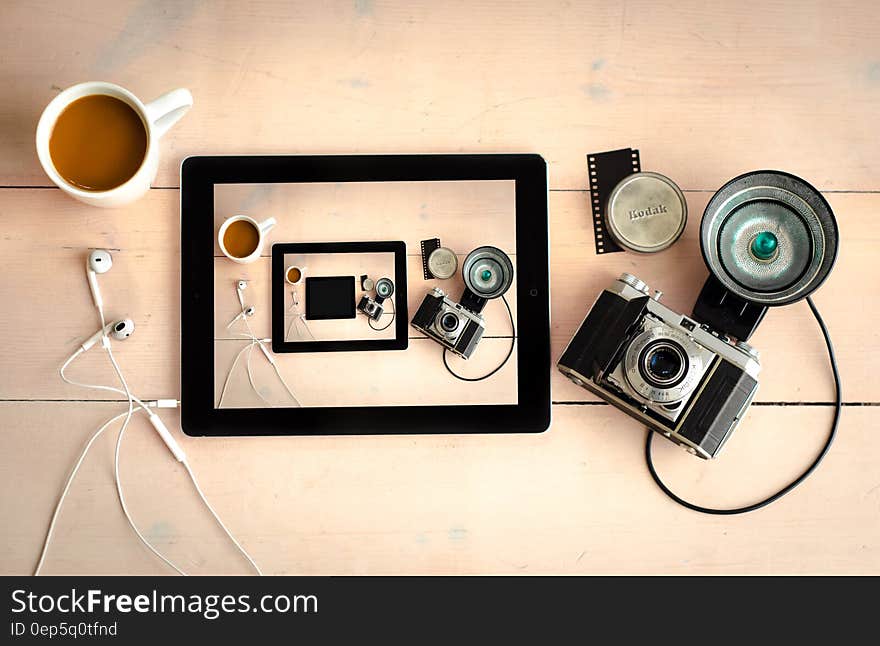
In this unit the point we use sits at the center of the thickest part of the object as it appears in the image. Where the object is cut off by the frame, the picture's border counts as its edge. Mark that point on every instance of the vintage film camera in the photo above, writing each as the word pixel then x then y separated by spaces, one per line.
pixel 768 239
pixel 679 378
pixel 373 308
pixel 488 274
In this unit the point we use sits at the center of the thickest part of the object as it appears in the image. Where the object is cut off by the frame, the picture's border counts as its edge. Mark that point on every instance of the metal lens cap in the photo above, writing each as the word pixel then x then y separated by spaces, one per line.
pixel 443 263
pixel 646 212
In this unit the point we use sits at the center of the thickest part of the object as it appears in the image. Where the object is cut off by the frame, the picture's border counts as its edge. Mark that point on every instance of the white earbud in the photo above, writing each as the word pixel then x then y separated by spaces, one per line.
pixel 99 262
pixel 239 289
pixel 119 330
pixel 122 329
pixel 248 312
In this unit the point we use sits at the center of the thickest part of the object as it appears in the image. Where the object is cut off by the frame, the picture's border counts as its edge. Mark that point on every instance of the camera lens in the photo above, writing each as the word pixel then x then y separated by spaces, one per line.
pixel 663 364
pixel 449 322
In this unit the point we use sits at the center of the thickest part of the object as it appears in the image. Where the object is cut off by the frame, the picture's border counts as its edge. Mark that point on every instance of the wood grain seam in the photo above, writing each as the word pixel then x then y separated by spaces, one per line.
pixel 843 191
pixel 410 338
pixel 779 404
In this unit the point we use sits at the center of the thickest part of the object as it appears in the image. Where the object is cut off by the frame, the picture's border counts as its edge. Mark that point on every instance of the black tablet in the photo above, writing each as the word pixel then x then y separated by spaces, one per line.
pixel 314 319
pixel 327 298
pixel 269 344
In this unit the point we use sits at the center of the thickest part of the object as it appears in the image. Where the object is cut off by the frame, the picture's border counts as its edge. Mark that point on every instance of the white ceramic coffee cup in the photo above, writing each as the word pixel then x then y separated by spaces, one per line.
pixel 158 116
pixel 262 228
pixel 302 274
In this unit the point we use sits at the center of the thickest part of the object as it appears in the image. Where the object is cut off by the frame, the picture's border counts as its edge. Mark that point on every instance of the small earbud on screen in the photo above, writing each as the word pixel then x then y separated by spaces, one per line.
pixel 100 261
pixel 122 329
pixel 249 311
pixel 242 284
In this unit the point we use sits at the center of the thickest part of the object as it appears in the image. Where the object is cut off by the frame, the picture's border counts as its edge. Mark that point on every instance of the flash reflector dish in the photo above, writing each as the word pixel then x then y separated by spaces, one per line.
pixel 769 237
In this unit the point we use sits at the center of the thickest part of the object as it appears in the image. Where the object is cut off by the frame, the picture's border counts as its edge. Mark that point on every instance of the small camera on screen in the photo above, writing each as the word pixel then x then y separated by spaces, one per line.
pixel 374 308
pixel 488 274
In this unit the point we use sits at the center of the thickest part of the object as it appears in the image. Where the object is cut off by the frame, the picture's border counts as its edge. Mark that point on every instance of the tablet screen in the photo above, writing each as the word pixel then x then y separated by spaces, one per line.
pixel 326 298
pixel 325 291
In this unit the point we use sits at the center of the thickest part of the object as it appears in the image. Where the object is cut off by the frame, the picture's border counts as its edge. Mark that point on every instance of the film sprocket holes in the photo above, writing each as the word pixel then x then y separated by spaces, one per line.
pixel 488 273
pixel 682 379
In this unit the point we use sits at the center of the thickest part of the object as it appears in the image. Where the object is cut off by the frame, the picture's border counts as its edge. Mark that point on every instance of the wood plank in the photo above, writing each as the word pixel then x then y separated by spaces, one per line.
pixel 464 214
pixel 50 308
pixel 705 90
pixel 576 499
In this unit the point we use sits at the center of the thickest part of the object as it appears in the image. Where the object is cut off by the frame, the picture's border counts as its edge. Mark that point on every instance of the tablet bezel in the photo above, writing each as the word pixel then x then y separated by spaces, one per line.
pixel 199 174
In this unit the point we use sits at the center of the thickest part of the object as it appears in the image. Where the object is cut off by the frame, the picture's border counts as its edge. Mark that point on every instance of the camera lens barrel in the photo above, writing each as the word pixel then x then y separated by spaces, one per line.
pixel 449 321
pixel 663 364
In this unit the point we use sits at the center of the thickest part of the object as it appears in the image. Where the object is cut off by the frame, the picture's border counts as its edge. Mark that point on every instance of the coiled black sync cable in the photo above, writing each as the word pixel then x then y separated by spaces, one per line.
pixel 502 364
pixel 794 483
pixel 387 325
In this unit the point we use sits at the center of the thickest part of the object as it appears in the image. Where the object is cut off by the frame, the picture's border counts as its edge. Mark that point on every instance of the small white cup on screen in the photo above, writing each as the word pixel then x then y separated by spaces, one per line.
pixel 295 274
pixel 158 116
pixel 255 238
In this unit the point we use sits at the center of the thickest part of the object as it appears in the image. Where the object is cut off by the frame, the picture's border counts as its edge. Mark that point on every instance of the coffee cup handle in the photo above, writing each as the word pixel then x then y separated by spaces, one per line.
pixel 267 224
pixel 167 110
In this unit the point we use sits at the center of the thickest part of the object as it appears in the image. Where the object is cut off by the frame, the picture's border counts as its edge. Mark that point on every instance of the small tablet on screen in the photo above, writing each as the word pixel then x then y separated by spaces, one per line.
pixel 330 297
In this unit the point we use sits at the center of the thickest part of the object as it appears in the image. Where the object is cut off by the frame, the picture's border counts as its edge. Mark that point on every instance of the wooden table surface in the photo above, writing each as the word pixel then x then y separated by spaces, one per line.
pixel 706 90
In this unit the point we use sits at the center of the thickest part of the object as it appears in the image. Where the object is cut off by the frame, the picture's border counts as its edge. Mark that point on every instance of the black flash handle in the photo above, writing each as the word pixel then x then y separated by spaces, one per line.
pixel 726 312
pixel 472 302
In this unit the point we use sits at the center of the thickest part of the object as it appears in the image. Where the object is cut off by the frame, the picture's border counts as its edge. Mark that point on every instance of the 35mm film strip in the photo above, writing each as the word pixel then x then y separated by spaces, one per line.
pixel 606 170
pixel 428 247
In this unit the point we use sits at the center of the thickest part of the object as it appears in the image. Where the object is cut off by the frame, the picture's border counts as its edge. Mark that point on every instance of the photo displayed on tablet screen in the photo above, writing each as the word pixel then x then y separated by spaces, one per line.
pixel 328 299
pixel 339 296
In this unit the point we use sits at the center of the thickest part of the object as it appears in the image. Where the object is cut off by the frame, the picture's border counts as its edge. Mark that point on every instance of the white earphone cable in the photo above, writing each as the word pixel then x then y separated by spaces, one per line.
pixel 81 384
pixel 119 491
pixel 284 383
pixel 67 484
pixel 160 428
pixel 250 374
pixel 250 334
pixel 274 366
pixel 127 415
pixel 189 471
pixel 220 522
pixel 229 374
